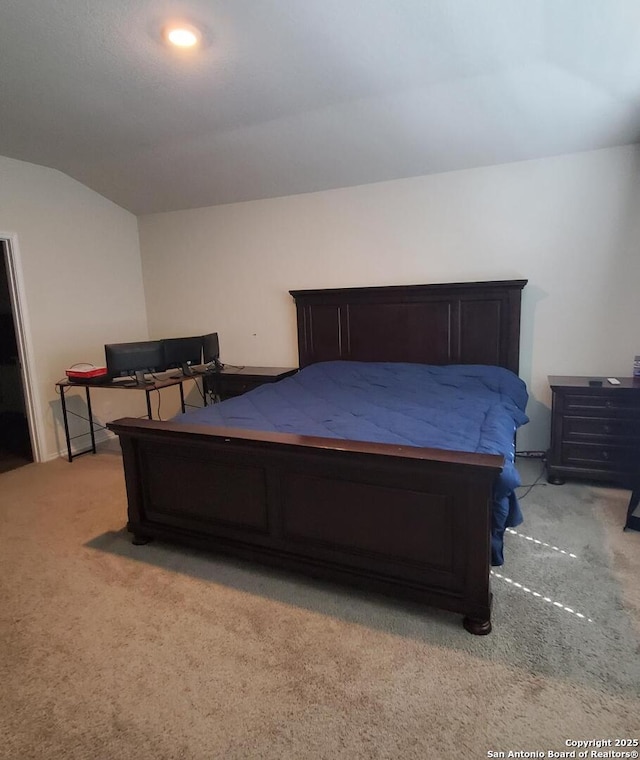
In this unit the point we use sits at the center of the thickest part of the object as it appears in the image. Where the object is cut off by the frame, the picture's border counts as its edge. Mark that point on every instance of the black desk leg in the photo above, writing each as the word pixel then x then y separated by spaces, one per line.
pixel 91 430
pixel 66 423
pixel 632 521
pixel 182 397
pixel 147 393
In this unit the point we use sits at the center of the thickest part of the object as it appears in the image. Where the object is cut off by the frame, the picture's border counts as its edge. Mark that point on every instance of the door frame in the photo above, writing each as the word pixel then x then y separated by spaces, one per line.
pixel 20 314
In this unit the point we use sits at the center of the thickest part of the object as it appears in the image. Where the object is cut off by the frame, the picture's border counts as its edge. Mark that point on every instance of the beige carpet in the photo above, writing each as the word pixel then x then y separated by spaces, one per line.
pixel 156 652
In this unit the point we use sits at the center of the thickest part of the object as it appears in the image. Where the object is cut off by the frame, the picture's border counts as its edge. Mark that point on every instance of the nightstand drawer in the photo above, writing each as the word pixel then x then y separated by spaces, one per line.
pixel 581 428
pixel 236 386
pixel 588 455
pixel 231 382
pixel 615 404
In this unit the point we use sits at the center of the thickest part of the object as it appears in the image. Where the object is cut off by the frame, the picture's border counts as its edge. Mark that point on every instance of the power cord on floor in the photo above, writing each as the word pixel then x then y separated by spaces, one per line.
pixel 536 482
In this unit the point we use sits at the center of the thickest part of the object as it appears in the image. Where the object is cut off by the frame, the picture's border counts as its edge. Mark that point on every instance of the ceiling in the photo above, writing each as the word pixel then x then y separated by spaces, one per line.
pixel 293 96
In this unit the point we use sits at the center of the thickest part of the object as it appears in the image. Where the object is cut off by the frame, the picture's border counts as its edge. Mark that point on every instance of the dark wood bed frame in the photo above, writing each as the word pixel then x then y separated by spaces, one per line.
pixel 406 521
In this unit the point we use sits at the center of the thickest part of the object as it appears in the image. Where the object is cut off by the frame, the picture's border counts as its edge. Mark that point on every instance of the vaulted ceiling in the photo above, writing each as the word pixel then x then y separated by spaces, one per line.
pixel 292 96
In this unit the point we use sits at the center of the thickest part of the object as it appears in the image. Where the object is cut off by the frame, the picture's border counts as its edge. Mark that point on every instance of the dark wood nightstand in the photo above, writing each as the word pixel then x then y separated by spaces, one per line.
pixel 234 381
pixel 595 430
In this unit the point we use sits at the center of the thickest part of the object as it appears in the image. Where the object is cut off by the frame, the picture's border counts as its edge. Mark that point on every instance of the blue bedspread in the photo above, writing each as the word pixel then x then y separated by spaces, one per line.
pixel 457 407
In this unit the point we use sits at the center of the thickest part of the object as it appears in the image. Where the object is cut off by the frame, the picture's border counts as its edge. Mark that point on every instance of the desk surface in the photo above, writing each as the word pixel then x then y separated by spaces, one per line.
pixel 127 383
pixel 174 377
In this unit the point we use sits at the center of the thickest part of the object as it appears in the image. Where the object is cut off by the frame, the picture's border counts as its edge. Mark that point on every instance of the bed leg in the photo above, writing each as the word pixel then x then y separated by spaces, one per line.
pixel 140 539
pixel 477 626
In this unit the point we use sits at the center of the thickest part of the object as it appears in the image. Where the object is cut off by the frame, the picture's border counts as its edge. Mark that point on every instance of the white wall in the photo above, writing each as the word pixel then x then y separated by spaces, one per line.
pixel 80 263
pixel 566 224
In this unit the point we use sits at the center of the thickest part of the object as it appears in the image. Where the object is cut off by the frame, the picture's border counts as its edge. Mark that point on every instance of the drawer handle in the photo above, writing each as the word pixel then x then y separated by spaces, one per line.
pixel 606 428
pixel 605 455
pixel 608 404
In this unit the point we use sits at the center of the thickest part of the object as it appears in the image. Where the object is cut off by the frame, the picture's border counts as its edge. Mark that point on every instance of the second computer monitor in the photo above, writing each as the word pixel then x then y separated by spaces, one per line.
pixel 182 353
pixel 210 348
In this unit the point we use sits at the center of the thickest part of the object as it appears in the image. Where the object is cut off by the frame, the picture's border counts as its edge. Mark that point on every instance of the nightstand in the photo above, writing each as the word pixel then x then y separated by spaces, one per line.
pixel 234 381
pixel 595 430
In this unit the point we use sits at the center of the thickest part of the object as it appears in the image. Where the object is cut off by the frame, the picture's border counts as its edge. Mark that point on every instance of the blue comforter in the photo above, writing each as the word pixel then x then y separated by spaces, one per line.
pixel 457 407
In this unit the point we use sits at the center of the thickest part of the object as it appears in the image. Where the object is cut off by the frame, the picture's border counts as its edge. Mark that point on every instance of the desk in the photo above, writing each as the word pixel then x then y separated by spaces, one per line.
pixel 121 384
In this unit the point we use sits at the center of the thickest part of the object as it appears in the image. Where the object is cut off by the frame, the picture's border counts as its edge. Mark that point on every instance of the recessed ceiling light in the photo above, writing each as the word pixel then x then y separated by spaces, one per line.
pixel 182 35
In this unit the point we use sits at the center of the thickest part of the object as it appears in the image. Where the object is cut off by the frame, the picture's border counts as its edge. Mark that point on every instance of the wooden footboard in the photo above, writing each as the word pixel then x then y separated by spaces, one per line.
pixel 406 521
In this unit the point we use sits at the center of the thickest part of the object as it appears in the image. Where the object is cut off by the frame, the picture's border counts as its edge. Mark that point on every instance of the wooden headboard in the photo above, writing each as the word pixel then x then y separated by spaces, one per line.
pixel 457 323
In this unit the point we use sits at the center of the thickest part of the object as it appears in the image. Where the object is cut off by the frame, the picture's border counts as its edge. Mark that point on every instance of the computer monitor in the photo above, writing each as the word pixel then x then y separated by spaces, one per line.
pixel 134 359
pixel 182 353
pixel 210 348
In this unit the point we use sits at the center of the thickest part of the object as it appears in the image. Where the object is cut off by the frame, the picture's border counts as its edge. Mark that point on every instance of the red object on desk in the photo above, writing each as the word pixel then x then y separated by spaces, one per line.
pixel 84 372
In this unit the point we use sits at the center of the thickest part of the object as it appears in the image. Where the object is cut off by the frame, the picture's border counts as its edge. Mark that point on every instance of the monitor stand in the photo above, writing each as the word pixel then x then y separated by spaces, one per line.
pixel 141 379
pixel 215 365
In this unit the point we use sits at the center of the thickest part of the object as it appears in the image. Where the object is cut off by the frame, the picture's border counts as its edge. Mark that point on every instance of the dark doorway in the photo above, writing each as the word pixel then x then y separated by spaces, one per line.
pixel 15 443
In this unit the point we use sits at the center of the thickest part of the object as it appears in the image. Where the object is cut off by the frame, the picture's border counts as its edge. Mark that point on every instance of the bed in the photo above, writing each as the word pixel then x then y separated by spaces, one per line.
pixel 389 515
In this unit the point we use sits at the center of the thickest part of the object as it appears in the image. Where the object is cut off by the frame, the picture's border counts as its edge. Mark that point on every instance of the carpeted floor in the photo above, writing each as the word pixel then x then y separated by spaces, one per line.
pixel 156 652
